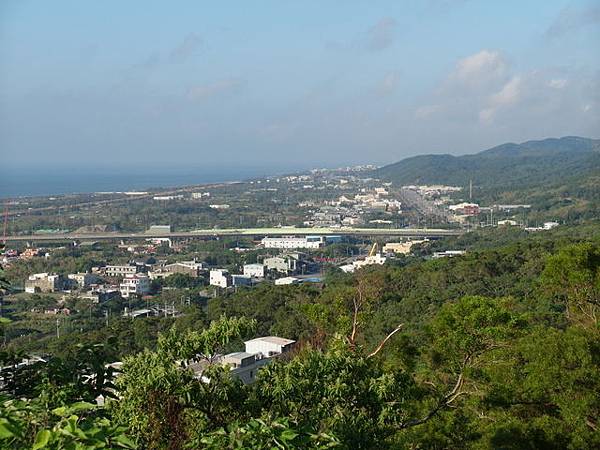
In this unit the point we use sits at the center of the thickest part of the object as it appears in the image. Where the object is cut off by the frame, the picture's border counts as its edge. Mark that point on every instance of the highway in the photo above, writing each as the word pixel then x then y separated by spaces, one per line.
pixel 283 231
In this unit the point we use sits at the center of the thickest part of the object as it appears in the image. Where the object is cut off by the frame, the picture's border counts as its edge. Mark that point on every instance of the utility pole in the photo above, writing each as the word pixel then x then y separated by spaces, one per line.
pixel 471 189
pixel 57 328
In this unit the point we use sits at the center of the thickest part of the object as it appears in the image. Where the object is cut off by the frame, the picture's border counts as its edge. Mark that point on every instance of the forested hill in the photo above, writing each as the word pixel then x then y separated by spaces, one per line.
pixel 528 164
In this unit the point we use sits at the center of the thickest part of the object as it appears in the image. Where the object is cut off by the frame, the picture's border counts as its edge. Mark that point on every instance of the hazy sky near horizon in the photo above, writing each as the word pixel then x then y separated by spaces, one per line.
pixel 283 83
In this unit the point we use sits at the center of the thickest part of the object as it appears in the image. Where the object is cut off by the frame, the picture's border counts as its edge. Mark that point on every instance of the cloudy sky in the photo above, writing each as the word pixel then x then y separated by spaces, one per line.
pixel 284 83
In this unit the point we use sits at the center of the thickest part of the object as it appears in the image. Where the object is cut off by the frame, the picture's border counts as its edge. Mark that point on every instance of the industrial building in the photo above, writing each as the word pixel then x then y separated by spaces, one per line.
pixel 293 242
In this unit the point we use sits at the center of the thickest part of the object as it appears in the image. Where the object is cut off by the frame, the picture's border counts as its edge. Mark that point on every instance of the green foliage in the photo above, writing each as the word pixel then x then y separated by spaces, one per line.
pixel 159 397
pixel 338 392
pixel 27 424
pixel 572 278
pixel 498 348
pixel 266 435
pixel 206 343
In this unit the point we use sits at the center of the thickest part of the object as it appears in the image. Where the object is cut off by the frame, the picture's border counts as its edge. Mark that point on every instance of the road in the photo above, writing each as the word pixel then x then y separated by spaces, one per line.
pixel 284 231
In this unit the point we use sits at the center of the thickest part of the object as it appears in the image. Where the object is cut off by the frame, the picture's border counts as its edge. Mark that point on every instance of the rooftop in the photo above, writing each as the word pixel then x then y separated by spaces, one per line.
pixel 272 340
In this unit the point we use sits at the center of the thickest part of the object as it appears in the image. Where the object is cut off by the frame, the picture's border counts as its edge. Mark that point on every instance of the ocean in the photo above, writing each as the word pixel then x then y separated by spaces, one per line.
pixel 27 182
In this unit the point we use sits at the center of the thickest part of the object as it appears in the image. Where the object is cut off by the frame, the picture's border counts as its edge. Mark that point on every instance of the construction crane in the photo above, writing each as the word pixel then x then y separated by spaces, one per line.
pixel 374 249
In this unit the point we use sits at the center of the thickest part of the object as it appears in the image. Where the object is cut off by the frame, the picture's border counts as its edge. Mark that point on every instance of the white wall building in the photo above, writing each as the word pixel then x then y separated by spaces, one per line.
pixel 291 242
pixel 134 284
pixel 269 345
pixel 121 271
pixel 369 260
pixel 246 365
pixel 287 280
pixel 83 280
pixel 254 270
pixel 43 282
pixel 220 278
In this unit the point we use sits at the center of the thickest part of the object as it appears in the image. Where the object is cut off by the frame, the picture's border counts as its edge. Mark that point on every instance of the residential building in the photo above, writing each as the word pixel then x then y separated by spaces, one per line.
pixel 245 365
pixel 43 282
pixel 100 294
pixel 191 268
pixel 269 345
pixel 122 270
pixel 134 285
pixel 83 280
pixel 254 270
pixel 220 278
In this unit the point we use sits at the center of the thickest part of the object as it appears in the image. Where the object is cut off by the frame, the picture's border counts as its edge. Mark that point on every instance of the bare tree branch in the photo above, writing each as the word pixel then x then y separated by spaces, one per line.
pixel 382 343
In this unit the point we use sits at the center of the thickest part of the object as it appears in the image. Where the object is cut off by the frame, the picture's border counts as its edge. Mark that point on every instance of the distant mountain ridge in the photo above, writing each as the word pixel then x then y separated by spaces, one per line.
pixel 508 165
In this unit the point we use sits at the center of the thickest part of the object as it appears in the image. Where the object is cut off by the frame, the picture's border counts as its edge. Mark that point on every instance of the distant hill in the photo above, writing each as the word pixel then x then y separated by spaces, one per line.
pixel 507 166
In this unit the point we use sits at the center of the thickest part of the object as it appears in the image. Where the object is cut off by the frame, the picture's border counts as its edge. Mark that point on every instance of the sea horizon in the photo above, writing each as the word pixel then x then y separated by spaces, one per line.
pixel 41 182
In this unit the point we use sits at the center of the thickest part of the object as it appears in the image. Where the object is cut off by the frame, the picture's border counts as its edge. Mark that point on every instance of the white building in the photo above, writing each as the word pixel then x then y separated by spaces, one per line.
pixel 254 270
pixel 245 365
pixel 134 284
pixel 220 278
pixel 369 260
pixel 167 197
pixel 83 280
pixel 121 271
pixel 287 280
pixel 269 345
pixel 448 254
pixel 291 242
pixel 43 282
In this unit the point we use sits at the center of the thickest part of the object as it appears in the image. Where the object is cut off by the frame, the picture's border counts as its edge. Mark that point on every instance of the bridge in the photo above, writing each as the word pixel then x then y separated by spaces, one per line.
pixel 240 232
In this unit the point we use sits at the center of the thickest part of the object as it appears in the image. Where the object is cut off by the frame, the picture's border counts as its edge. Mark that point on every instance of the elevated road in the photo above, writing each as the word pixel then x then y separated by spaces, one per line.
pixel 258 232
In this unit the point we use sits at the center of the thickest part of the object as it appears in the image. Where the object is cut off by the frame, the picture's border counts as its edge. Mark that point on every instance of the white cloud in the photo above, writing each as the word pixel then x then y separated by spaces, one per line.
pixel 509 93
pixel 481 66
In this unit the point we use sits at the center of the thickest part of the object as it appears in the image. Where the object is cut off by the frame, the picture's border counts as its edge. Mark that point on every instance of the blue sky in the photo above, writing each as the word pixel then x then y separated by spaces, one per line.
pixel 284 84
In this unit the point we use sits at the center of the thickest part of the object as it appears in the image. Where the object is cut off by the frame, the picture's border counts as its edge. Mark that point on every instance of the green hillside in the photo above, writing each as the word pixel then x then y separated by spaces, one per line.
pixel 529 164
